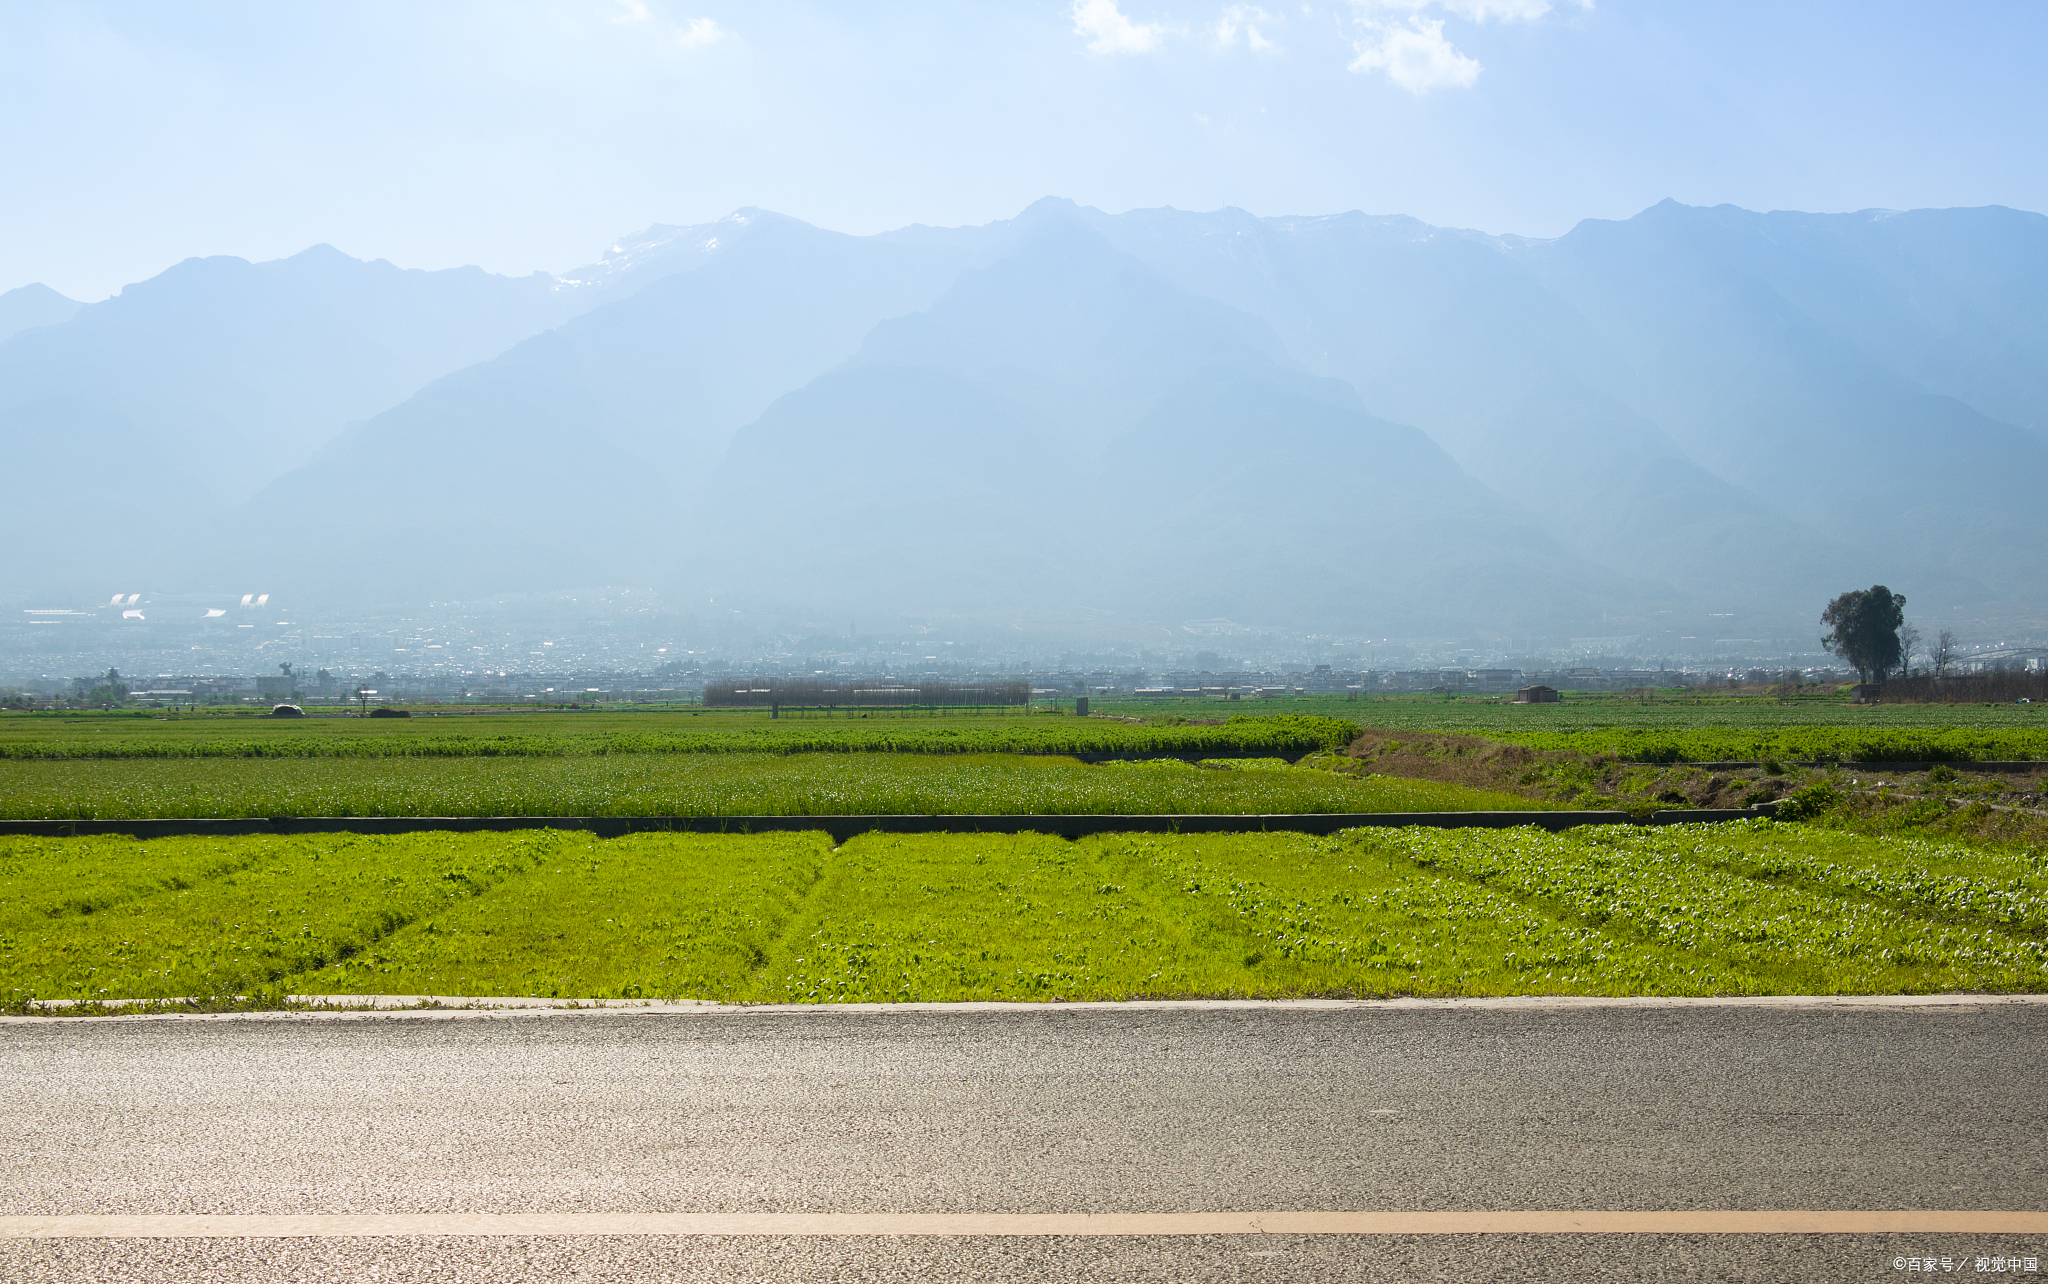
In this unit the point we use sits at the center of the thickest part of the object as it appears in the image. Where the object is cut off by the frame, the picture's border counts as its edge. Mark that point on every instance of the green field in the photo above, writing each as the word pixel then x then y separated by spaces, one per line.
pixel 1579 712
pixel 700 785
pixel 60 737
pixel 1664 711
pixel 1673 728
pixel 1668 728
pixel 1751 908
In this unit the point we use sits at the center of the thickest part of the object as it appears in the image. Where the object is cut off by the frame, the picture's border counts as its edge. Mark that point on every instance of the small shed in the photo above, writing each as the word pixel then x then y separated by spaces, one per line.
pixel 1536 695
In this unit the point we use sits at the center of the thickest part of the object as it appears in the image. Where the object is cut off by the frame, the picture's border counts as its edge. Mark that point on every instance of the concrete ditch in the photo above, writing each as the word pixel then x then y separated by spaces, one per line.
pixel 844 827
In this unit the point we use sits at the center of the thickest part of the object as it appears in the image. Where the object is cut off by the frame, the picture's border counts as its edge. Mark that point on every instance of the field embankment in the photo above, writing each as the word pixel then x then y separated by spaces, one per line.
pixel 1784 745
pixel 2005 806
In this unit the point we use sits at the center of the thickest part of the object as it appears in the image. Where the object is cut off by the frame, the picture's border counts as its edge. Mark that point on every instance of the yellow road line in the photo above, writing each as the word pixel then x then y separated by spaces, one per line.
pixel 1517 1222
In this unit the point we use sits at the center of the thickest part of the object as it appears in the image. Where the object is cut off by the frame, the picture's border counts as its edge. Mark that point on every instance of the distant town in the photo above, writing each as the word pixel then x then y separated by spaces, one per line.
pixel 1051 685
pixel 624 647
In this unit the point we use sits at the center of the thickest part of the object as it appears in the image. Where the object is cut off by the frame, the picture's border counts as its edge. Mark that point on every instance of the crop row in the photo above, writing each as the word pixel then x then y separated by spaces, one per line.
pixel 1291 736
pixel 789 917
pixel 1492 714
pixel 698 785
pixel 1410 931
pixel 1648 883
pixel 231 915
pixel 2008 891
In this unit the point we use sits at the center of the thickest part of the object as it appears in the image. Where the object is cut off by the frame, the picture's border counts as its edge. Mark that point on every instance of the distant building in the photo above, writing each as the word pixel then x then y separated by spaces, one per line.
pixel 1536 695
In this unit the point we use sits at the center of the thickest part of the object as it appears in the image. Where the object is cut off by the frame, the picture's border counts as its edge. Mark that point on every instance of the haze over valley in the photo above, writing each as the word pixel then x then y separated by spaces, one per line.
pixel 1084 425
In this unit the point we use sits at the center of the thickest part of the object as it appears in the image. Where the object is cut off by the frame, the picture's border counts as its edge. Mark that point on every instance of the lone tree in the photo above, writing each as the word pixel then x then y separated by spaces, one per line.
pixel 1863 628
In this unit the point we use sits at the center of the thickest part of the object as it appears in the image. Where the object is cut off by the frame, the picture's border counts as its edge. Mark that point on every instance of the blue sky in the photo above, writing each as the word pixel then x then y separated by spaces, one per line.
pixel 525 136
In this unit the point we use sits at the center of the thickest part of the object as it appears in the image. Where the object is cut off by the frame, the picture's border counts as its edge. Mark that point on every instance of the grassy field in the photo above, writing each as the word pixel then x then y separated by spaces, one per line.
pixel 1664 729
pixel 1672 728
pixel 1665 711
pixel 1752 908
pixel 59 737
pixel 702 785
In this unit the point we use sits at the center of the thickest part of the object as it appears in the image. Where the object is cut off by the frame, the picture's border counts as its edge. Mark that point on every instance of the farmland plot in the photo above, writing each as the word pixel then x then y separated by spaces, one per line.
pixel 1756 907
pixel 697 785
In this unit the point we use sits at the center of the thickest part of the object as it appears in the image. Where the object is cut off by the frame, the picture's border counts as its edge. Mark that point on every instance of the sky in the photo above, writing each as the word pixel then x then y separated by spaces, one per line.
pixel 529 136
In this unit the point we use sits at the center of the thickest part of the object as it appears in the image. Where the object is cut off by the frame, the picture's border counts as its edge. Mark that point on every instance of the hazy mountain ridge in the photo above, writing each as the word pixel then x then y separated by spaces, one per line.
pixel 1787 399
pixel 32 306
pixel 242 370
pixel 1160 414
pixel 577 452
pixel 648 255
pixel 1590 377
pixel 1069 425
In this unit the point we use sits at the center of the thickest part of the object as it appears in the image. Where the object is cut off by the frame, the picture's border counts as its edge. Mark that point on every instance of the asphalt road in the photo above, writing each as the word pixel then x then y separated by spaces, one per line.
pixel 1019 1112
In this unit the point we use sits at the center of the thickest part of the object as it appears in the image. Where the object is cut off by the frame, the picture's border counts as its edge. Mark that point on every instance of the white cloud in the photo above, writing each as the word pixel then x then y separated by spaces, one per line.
pixel 1469 10
pixel 1243 20
pixel 1415 56
pixel 693 33
pixel 1108 31
pixel 1504 10
pixel 700 31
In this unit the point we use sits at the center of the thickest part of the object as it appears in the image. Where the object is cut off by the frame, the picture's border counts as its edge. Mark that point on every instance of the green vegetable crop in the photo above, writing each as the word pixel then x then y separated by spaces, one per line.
pixel 1751 908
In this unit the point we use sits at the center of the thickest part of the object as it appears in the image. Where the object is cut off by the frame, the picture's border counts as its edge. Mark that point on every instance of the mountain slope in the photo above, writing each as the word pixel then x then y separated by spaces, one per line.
pixel 31 306
pixel 1066 424
pixel 1953 300
pixel 1765 391
pixel 244 369
pixel 608 425
pixel 1591 379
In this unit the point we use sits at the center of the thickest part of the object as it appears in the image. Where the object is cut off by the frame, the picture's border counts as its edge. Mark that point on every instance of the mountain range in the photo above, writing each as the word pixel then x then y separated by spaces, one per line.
pixel 1693 420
